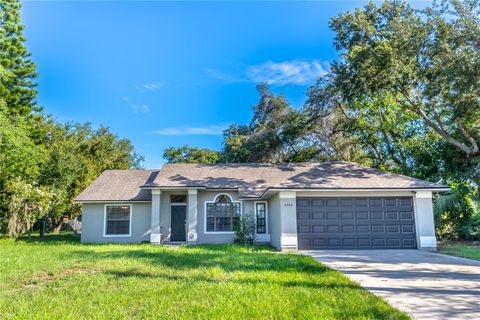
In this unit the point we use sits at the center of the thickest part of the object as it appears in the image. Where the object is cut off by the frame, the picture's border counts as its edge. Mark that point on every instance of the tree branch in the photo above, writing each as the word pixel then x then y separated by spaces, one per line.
pixel 474 144
pixel 469 150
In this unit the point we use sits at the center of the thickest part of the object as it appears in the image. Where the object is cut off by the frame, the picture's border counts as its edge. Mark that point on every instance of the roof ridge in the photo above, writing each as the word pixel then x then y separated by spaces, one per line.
pixel 130 170
pixel 257 163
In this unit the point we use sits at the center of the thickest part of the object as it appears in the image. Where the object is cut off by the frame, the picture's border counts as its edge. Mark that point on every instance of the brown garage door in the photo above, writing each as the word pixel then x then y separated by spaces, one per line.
pixel 356 223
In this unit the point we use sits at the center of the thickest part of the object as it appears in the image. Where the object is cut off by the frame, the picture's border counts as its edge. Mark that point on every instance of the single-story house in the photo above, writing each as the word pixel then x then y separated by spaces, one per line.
pixel 326 205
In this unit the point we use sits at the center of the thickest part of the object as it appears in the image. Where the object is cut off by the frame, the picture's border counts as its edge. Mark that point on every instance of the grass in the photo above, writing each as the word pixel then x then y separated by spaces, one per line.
pixel 59 278
pixel 470 250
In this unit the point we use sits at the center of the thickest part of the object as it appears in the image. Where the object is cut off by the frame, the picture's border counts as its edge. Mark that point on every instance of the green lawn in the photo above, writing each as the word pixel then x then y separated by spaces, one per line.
pixel 470 250
pixel 63 279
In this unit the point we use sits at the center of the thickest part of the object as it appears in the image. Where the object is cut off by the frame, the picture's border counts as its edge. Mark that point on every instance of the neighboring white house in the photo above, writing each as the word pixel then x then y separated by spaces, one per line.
pixel 326 205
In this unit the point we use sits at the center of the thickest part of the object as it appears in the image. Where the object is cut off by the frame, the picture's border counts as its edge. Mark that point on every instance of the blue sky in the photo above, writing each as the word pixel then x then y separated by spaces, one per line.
pixel 171 73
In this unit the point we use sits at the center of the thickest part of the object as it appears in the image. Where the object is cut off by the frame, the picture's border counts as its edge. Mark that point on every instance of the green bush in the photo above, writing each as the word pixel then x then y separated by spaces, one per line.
pixel 457 213
pixel 245 229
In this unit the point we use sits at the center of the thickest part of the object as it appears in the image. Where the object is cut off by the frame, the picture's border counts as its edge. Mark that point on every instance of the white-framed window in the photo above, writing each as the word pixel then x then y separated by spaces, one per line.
pixel 221 214
pixel 117 220
pixel 261 217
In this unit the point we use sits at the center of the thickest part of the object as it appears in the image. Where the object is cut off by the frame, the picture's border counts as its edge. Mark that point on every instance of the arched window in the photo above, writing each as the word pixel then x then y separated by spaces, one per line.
pixel 223 198
pixel 222 214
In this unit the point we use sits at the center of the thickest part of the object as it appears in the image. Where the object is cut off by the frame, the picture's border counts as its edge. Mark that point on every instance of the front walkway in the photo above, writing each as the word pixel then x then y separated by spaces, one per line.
pixel 423 284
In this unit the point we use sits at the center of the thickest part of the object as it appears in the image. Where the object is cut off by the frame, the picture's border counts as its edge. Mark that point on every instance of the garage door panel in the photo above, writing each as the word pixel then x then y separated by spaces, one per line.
pixel 331 203
pixel 304 243
pixel 333 229
pixel 379 242
pixel 408 229
pixel 333 215
pixel 363 228
pixel 394 243
pixel 349 223
pixel 348 229
pixel 304 229
pixel 390 202
pixel 361 202
pixel 347 215
pixel 318 203
pixel 378 229
pixel 406 215
pixel 303 203
pixel 375 202
pixel 319 242
pixel 405 202
pixel 301 214
pixel 334 242
pixel 346 202
pixel 318 215
pixel 363 242
pixel 393 229
pixel 376 215
pixel 391 215
pixel 362 215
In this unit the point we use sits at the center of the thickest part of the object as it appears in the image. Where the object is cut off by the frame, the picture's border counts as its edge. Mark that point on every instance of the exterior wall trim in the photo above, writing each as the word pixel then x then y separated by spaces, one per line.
pixel 280 190
pixel 105 235
pixel 112 201
pixel 289 194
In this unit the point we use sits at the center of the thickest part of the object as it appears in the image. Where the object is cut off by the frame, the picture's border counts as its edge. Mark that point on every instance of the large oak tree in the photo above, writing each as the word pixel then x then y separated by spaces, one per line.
pixel 427 61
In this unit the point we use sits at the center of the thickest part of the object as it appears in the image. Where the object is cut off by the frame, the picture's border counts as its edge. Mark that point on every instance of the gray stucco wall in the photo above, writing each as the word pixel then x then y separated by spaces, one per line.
pixel 93 223
pixel 248 206
pixel 274 223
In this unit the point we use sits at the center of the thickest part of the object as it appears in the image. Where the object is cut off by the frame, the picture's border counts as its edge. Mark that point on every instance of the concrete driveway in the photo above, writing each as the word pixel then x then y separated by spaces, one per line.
pixel 423 284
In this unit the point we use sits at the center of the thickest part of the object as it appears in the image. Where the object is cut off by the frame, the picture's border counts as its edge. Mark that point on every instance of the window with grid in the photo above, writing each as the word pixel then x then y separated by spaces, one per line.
pixel 222 215
pixel 118 220
pixel 261 216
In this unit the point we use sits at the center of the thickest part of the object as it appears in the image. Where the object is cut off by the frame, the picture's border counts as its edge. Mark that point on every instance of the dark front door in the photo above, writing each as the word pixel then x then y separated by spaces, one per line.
pixel 178 220
pixel 356 223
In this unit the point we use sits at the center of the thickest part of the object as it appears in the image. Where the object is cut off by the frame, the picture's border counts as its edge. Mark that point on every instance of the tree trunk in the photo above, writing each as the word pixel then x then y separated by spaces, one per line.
pixel 12 225
pixel 57 224
pixel 476 178
pixel 57 228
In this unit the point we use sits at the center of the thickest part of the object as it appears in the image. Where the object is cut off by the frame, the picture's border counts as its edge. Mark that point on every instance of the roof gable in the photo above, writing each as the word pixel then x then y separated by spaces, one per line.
pixel 119 185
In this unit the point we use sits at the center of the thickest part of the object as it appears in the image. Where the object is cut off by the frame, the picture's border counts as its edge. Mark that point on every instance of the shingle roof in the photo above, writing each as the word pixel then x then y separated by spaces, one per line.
pixel 251 179
pixel 119 185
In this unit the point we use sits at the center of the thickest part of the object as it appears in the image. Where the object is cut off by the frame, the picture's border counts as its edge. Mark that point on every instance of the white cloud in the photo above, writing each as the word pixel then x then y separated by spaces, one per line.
pixel 294 72
pixel 136 108
pixel 152 86
pixel 210 130
pixel 224 77
pixel 298 72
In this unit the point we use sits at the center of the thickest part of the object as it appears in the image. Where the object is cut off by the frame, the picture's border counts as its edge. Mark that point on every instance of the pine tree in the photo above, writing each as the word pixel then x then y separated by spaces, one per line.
pixel 18 90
